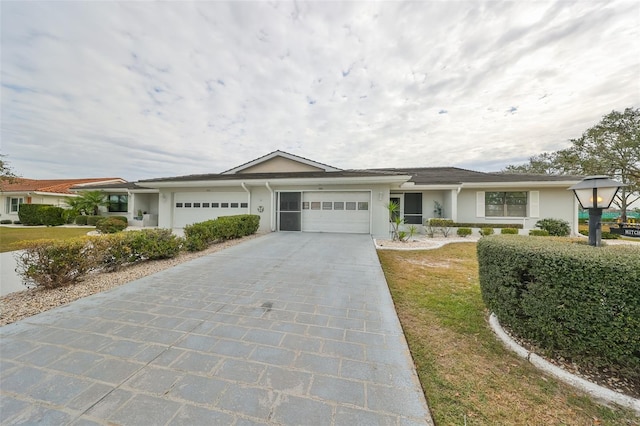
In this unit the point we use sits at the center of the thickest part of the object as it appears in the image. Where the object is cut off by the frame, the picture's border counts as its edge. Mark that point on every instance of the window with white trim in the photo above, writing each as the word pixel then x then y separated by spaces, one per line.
pixel 13 205
pixel 505 204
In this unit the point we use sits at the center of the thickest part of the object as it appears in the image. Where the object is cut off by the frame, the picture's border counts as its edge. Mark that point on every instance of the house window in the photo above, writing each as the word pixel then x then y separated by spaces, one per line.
pixel 118 203
pixel 505 204
pixel 413 208
pixel 13 204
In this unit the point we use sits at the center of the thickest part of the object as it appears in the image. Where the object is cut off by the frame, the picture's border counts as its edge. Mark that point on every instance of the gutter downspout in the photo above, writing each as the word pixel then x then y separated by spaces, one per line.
pixel 271 216
pixel 248 196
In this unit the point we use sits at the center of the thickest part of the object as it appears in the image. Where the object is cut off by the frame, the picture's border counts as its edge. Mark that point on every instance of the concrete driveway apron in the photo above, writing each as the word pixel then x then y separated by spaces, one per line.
pixel 288 328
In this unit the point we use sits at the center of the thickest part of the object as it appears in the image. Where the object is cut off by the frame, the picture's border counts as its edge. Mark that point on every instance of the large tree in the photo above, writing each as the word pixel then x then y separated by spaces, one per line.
pixel 6 173
pixel 611 147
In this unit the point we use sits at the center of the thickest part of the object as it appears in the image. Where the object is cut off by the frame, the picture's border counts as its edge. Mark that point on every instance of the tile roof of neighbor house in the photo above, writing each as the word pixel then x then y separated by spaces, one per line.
pixel 98 186
pixel 455 175
pixel 56 186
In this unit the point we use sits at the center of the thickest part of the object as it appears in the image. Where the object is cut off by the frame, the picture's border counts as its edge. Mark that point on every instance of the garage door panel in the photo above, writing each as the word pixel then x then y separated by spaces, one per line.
pixel 194 207
pixel 336 212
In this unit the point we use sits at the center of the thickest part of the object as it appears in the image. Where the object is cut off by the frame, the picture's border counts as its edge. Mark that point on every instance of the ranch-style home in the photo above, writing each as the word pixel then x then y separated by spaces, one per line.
pixel 53 192
pixel 291 193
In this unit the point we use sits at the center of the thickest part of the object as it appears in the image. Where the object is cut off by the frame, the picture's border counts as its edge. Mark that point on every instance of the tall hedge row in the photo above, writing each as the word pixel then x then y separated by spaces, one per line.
pixel 571 299
pixel 41 214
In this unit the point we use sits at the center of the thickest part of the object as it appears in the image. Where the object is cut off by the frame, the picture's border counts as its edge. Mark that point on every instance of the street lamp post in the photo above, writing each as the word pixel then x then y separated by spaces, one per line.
pixel 595 193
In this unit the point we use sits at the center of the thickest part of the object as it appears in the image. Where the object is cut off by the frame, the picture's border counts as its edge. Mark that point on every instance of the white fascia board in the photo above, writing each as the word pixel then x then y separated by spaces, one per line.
pixel 49 194
pixel 276 182
pixel 527 184
pixel 410 186
pixel 144 191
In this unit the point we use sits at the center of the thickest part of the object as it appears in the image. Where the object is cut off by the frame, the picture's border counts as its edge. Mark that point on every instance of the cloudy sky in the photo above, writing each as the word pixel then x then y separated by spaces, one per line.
pixel 142 90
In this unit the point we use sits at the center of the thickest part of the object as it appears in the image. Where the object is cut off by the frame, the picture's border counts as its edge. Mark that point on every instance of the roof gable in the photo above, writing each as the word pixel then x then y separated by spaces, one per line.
pixel 278 162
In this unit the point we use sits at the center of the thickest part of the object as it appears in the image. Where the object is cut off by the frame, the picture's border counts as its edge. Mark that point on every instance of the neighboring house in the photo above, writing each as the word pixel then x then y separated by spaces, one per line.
pixel 54 192
pixel 292 193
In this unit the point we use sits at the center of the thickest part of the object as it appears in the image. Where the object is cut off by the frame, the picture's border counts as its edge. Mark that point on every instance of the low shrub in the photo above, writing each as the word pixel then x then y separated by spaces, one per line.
pixel 69 216
pixel 55 263
pixel 111 225
pixel 442 226
pixel 539 233
pixel 41 214
pixel 122 218
pixel 463 232
pixel 93 220
pixel 603 235
pixel 6 222
pixel 201 235
pixel 154 244
pixel 485 231
pixel 555 227
pixel 571 300
pixel 488 225
pixel 81 220
pixel 509 231
pixel 17 222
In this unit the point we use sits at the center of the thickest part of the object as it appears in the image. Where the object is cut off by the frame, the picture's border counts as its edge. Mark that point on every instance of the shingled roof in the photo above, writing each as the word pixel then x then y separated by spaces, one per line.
pixel 55 186
pixel 455 175
pixel 275 175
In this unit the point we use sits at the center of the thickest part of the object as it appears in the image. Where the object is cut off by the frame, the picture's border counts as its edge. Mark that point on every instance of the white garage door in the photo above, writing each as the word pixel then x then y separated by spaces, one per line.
pixel 336 212
pixel 194 207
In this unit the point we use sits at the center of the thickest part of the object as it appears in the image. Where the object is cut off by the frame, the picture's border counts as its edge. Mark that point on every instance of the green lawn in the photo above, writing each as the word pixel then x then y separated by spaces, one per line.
pixel 10 238
pixel 468 377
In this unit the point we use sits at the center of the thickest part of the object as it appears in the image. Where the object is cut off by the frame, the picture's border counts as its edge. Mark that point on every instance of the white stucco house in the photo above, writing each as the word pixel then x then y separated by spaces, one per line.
pixel 53 192
pixel 291 193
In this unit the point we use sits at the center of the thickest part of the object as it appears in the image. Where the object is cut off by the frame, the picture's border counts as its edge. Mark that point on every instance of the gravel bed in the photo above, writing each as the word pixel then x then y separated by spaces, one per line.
pixel 22 304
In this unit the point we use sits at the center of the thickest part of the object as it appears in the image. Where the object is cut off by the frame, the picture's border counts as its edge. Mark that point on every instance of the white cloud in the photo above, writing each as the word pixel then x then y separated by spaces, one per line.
pixel 139 89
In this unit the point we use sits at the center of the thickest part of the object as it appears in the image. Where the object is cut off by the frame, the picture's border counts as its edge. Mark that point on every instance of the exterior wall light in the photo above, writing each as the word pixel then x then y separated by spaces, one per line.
pixel 595 193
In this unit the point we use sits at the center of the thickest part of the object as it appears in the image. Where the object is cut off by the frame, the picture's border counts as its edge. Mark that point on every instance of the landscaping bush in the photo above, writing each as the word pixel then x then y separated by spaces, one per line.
pixel 201 235
pixel 17 222
pixel 81 220
pixel 485 231
pixel 509 231
pixel 555 227
pixel 93 220
pixel 6 222
pixel 41 214
pixel 488 225
pixel 55 263
pixel 572 300
pixel 154 244
pixel 52 216
pixel 603 235
pixel 111 225
pixel 442 226
pixel 463 232
pixel 122 218
pixel 538 233
pixel 69 215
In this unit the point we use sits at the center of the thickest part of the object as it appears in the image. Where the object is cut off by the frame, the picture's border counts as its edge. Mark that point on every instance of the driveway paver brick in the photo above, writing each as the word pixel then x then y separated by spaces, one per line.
pixel 289 328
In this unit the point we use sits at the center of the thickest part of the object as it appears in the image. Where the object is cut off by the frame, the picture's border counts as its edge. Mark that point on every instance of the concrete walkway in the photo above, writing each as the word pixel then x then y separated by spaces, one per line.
pixel 289 328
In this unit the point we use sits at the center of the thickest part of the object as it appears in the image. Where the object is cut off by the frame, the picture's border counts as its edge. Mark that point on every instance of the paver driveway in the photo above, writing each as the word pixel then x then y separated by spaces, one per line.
pixel 289 328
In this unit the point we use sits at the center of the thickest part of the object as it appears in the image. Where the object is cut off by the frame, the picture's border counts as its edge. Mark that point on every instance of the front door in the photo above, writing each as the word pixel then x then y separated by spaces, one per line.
pixel 290 211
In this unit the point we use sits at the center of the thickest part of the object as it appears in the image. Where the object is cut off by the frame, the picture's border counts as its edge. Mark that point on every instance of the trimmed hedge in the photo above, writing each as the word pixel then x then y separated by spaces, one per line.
pixel 539 233
pixel 487 225
pixel 573 300
pixel 41 214
pixel 555 227
pixel 485 231
pixel 6 222
pixel 81 220
pixel 93 220
pixel 510 231
pixel 201 235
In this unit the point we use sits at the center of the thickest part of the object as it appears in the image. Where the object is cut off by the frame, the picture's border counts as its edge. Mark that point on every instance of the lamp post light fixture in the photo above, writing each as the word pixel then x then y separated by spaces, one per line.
pixel 595 193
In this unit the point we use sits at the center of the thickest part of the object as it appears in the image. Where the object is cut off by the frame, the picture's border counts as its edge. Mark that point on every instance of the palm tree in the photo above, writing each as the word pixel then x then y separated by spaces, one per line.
pixel 90 201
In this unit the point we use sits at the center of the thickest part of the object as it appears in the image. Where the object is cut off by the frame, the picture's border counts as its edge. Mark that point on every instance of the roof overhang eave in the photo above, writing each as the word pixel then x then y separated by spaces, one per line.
pixel 383 180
